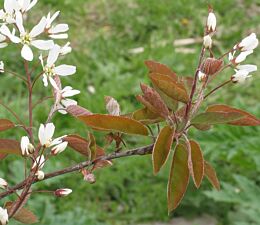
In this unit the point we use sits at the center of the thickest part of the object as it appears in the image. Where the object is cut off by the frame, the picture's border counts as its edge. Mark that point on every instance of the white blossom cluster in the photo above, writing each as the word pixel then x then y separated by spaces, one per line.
pixel 243 48
pixel 38 43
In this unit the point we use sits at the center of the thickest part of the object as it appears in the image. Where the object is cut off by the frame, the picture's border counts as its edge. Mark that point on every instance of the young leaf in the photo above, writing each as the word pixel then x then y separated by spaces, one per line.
pixel 10 147
pixel 145 116
pixel 23 215
pixel 211 118
pixel 248 120
pixel 78 143
pixel 156 67
pixel 211 175
pixel 197 160
pixel 114 123
pixel 162 148
pixel 112 106
pixel 99 164
pixel 179 177
pixel 76 110
pixel 170 87
pixel 153 101
pixel 6 124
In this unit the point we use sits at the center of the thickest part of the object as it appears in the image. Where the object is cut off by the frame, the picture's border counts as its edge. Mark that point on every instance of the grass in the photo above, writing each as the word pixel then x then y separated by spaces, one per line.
pixel 102 33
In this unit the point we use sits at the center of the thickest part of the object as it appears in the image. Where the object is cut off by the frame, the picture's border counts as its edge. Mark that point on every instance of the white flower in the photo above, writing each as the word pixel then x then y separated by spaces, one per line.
pixel 50 69
pixel 3 216
pixel 3 183
pixel 64 50
pixel 27 39
pixel 26 5
pixel 57 31
pixel 46 133
pixel 64 101
pixel 26 147
pixel 59 148
pixel 242 56
pixel 211 22
pixel 40 175
pixel 39 162
pixel 2 66
pixel 7 14
pixel 249 43
pixel 201 76
pixel 207 41
pixel 243 73
pixel 3 44
pixel 62 192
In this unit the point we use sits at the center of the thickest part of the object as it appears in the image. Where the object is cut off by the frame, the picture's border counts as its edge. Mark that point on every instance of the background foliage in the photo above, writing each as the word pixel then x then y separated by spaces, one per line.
pixel 103 32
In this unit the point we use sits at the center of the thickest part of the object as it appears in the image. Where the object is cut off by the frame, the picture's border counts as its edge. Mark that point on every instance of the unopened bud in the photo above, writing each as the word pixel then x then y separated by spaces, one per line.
pixel 211 22
pixel 40 175
pixel 88 176
pixel 62 192
pixel 31 148
pixel 211 66
pixel 201 76
pixel 207 41
pixel 3 183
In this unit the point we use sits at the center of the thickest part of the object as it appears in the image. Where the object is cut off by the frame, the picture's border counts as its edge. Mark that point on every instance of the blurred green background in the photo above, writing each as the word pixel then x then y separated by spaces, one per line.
pixel 103 34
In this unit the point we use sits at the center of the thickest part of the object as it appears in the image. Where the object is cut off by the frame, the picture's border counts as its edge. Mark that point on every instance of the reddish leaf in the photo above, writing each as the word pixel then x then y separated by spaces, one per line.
pixel 6 124
pixel 170 87
pixel 153 101
pixel 248 120
pixel 92 146
pixel 211 118
pixel 146 116
pixel 162 148
pixel 76 110
pixel 101 164
pixel 156 67
pixel 23 215
pixel 197 160
pixel 78 143
pixel 114 123
pixel 10 147
pixel 202 127
pixel 211 175
pixel 179 177
pixel 2 156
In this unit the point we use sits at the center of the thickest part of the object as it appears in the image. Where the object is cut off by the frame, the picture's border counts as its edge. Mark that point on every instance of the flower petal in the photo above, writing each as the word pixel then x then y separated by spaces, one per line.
pixel 53 55
pixel 41 135
pixel 39 28
pixel 42 44
pixel 27 53
pixel 49 131
pixel 60 28
pixel 65 70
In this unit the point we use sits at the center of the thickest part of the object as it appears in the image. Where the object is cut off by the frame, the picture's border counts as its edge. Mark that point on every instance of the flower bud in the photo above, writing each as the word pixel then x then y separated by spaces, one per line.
pixel 31 148
pixel 3 216
pixel 211 22
pixel 62 192
pixel 201 76
pixel 112 106
pixel 207 41
pixel 88 176
pixel 3 183
pixel 211 66
pixel 40 175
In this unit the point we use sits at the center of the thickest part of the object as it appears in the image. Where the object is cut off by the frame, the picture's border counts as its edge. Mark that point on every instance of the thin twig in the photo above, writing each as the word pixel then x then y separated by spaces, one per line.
pixel 216 88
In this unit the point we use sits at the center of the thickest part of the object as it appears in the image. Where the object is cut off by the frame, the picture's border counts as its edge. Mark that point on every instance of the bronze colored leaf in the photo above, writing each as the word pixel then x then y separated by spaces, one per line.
pixel 153 101
pixel 76 110
pixel 114 123
pixel 10 147
pixel 6 124
pixel 156 67
pixel 248 120
pixel 170 87
pixel 162 147
pixel 23 215
pixel 202 127
pixel 145 116
pixel 211 66
pixel 197 160
pixel 179 177
pixel 211 175
pixel 78 143
pixel 211 118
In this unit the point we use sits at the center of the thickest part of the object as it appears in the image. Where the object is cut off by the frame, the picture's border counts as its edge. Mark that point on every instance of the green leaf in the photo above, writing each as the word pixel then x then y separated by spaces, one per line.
pixel 6 124
pixel 114 123
pixel 162 148
pixel 211 118
pixel 197 160
pixel 170 87
pixel 211 175
pixel 10 147
pixel 179 177
pixel 247 120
